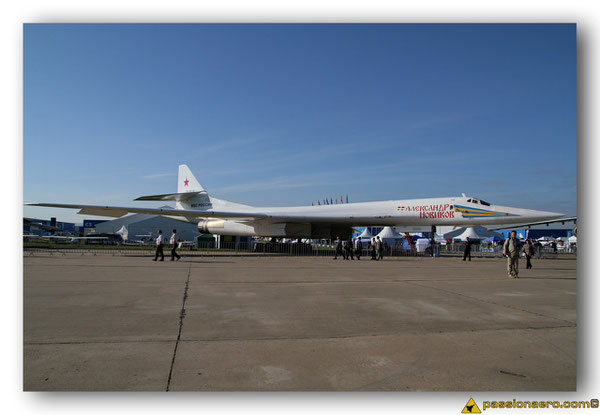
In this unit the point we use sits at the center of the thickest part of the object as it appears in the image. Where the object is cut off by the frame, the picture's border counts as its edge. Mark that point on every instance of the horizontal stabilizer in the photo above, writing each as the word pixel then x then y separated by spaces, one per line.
pixel 172 196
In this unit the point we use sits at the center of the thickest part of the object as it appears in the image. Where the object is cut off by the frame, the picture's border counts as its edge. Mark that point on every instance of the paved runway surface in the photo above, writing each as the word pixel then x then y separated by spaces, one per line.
pixel 104 323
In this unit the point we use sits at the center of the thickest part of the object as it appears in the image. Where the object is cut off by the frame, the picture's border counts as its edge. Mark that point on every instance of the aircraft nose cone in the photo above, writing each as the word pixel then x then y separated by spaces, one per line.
pixel 553 215
pixel 542 215
pixel 530 214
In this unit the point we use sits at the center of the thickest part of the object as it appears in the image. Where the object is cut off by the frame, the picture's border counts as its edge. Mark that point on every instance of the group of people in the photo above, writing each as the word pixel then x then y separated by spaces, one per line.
pixel 347 249
pixel 511 250
pixel 160 244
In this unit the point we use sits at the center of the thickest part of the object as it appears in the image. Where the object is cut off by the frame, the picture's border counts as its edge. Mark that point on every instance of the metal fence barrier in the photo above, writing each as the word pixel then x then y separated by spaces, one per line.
pixel 484 251
pixel 290 249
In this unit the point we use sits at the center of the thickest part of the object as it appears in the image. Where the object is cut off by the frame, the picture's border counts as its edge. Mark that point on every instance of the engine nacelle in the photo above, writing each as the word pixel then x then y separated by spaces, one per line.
pixel 225 227
pixel 276 230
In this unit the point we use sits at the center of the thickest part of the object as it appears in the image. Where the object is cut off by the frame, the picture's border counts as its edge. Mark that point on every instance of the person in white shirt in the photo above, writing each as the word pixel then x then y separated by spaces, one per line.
pixel 159 247
pixel 173 243
pixel 379 245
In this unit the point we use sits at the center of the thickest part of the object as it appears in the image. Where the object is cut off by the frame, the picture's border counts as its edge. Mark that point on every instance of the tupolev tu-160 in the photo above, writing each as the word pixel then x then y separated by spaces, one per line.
pixel 194 205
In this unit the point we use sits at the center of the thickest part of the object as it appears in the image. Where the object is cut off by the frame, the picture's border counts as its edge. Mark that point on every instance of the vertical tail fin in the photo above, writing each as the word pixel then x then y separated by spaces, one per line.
pixel 190 194
pixel 186 182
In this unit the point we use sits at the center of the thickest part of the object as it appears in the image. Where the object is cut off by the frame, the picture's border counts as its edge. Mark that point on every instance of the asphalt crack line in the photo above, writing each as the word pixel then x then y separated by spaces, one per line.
pixel 181 317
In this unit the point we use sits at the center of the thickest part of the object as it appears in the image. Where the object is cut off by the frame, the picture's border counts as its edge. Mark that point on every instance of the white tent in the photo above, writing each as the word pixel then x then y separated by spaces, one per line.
pixel 470 233
pixel 366 234
pixel 474 233
pixel 123 232
pixel 389 235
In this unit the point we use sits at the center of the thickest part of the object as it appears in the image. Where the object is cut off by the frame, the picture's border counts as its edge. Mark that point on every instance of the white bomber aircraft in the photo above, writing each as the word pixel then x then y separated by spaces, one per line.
pixel 194 205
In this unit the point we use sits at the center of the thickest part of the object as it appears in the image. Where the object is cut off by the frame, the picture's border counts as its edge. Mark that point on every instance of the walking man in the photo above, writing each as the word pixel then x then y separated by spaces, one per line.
pixel 338 248
pixel 512 247
pixel 174 243
pixel 159 247
pixel 528 249
pixel 468 244
pixel 379 249
pixel 349 249
pixel 358 248
pixel 373 250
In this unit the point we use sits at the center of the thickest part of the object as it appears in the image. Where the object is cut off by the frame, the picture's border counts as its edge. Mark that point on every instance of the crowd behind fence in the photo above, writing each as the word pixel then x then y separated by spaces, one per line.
pixel 293 249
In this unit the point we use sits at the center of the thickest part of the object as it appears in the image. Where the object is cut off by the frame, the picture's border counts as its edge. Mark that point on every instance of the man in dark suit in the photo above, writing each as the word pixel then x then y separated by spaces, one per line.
pixel 349 251
pixel 468 244
pixel 339 248
pixel 159 247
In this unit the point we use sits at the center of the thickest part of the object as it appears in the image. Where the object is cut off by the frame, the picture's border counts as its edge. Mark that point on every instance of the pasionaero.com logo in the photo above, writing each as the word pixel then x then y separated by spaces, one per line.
pixel 472 408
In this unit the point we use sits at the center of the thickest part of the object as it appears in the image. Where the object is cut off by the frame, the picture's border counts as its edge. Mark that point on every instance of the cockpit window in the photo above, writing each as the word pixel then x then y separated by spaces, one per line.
pixel 477 201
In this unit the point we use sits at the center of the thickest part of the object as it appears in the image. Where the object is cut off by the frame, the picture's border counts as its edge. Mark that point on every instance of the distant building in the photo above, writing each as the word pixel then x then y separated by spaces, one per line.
pixel 91 223
pixel 141 224
pixel 66 227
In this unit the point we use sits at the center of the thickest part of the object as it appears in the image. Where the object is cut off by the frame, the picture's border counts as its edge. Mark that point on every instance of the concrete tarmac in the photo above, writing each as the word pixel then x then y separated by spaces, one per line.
pixel 104 323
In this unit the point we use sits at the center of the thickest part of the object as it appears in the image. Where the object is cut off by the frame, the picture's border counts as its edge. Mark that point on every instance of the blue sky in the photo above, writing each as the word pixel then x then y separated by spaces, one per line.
pixel 290 114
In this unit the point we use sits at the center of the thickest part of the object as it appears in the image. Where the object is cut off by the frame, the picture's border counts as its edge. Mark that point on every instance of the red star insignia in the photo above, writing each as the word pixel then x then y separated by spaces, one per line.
pixel 185 182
